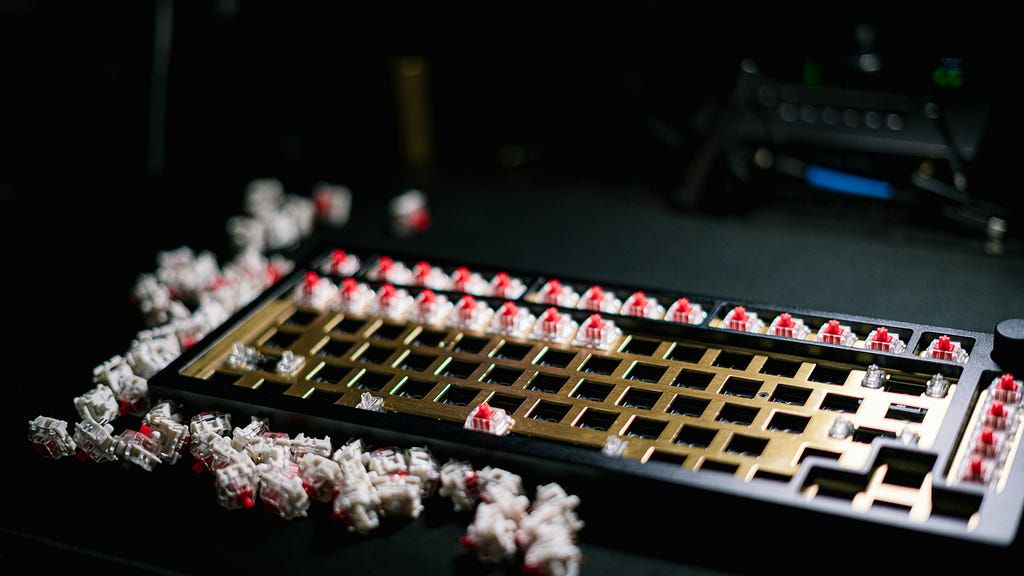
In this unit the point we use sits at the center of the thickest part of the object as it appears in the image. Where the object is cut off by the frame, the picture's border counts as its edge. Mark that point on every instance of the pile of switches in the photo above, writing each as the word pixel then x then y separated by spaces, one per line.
pixel 188 296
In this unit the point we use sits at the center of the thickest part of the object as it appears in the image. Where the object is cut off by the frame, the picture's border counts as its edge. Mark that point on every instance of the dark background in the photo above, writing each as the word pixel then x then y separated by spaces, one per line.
pixel 558 134
pixel 574 123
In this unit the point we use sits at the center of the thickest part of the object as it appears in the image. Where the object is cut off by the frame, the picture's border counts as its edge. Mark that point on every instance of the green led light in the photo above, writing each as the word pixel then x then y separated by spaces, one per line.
pixel 812 73
pixel 948 77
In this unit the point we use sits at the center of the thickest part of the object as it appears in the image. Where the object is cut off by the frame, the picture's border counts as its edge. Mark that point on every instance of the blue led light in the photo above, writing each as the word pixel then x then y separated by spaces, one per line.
pixel 844 183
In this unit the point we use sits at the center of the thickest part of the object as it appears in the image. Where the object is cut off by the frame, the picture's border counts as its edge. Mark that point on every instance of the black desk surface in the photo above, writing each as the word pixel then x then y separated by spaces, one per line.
pixel 63 516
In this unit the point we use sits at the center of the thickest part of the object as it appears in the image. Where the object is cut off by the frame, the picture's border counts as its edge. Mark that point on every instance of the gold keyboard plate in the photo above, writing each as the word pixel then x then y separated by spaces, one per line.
pixel 680 401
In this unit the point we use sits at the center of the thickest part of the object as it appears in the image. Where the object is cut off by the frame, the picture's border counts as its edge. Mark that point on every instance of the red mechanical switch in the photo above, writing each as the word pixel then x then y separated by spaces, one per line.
pixel 315 292
pixel 427 276
pixel 1007 388
pixel 989 443
pixel 557 294
pixel 739 319
pixel 505 286
pixel 999 416
pixel 353 296
pixel 943 348
pixel 490 420
pixel 340 263
pixel 882 340
pixel 465 280
pixel 391 302
pixel 978 469
pixel 642 305
pixel 599 300
pixel 832 332
pixel 685 312
pixel 553 326
pixel 430 307
pixel 470 314
pixel 597 332
pixel 511 320
pixel 387 269
pixel 788 327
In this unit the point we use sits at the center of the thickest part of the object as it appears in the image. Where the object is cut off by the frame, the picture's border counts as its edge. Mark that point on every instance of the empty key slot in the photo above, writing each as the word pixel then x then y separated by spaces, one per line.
pixel 596 419
pixel 696 436
pixel 905 412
